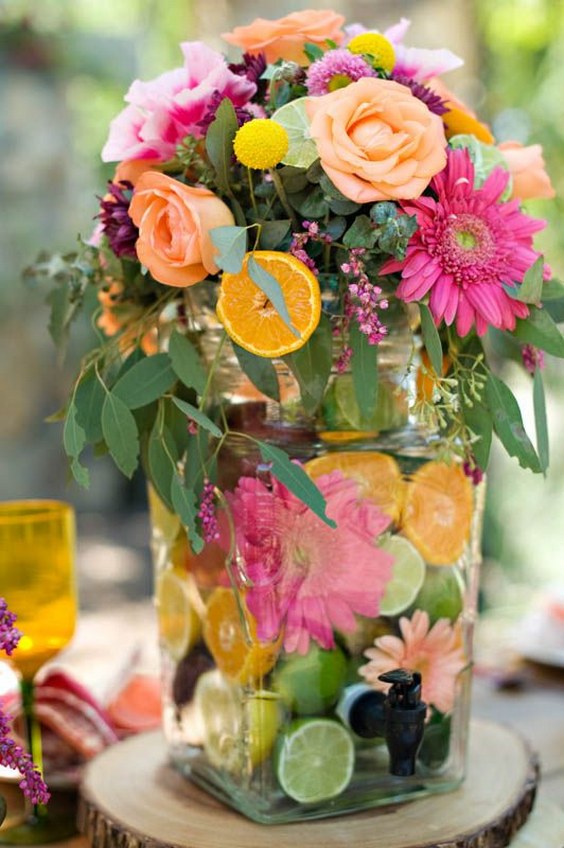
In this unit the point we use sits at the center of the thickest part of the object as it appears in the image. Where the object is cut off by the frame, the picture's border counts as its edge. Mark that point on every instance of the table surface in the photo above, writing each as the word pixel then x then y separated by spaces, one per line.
pixel 524 696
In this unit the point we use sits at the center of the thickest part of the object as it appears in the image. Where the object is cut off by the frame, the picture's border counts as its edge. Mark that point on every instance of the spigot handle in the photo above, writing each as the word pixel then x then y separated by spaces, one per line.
pixel 405 690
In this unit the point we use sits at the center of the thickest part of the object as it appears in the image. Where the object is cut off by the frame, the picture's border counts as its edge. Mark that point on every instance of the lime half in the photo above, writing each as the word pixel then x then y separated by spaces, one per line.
pixel 179 623
pixel 408 575
pixel 315 760
pixel 302 150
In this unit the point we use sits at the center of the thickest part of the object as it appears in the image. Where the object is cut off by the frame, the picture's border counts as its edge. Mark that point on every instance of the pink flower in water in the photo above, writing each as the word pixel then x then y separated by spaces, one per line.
pixel 467 248
pixel 435 652
pixel 165 110
pixel 308 578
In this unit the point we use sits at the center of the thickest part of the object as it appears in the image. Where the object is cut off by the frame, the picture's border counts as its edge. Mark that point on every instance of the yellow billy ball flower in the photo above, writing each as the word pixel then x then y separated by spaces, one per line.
pixel 375 45
pixel 260 143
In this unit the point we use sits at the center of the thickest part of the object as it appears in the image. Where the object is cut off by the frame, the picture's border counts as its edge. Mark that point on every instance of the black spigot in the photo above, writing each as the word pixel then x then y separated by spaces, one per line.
pixel 398 716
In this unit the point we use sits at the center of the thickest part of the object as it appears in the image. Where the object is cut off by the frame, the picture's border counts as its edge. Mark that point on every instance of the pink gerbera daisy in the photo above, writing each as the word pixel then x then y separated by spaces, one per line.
pixel 467 248
pixel 436 653
pixel 307 578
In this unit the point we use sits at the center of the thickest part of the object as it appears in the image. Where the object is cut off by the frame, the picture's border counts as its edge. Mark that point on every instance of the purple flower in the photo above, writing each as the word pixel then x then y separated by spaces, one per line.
pixel 252 67
pixel 533 358
pixel 206 513
pixel 243 115
pixel 121 232
pixel 13 756
pixel 336 69
pixel 432 101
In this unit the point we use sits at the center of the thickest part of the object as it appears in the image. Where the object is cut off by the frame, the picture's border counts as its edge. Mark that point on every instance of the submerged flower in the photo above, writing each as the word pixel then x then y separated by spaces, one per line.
pixel 336 69
pixel 467 248
pixel 117 226
pixel 309 579
pixel 435 652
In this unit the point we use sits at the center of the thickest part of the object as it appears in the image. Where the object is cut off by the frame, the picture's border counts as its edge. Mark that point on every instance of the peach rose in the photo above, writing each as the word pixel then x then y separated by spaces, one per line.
pixel 131 169
pixel 174 221
pixel 527 168
pixel 376 141
pixel 285 38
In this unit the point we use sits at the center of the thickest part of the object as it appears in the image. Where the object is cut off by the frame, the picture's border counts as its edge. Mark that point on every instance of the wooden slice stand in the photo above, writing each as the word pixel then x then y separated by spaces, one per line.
pixel 132 799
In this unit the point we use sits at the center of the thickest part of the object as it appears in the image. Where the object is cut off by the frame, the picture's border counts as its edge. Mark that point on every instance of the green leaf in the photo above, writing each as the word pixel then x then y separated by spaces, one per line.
pixel 260 371
pixel 478 419
pixel 120 434
pixel 311 365
pixel 273 233
pixel 313 51
pixel 364 366
pixel 74 437
pixel 219 143
pixel 552 290
pixel 186 362
pixel 231 243
pixel 270 286
pixel 198 416
pixel 540 330
pixel 89 400
pixel 145 381
pixel 431 339
pixel 161 459
pixel 530 290
pixel 134 357
pixel 541 427
pixel 63 310
pixel 508 423
pixel 80 473
pixel 555 309
pixel 310 203
pixel 296 480
pixel 184 503
pixel 361 233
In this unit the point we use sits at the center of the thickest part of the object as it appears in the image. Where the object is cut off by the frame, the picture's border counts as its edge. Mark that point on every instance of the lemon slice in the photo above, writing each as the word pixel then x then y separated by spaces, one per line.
pixel 179 624
pixel 407 576
pixel 302 150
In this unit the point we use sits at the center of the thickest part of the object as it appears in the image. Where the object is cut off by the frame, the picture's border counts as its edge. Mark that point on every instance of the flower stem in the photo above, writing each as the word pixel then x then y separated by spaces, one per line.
pixel 283 197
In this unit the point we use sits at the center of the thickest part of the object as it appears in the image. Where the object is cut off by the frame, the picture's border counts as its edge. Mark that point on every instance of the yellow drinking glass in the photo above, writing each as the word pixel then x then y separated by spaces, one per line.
pixel 37 579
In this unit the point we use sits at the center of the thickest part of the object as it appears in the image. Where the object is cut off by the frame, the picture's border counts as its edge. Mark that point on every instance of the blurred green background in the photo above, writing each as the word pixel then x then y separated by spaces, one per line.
pixel 64 68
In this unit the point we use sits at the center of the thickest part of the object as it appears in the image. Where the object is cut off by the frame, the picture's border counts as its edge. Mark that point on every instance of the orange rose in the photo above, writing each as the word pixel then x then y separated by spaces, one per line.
pixel 131 169
pixel 527 168
pixel 285 37
pixel 174 221
pixel 376 141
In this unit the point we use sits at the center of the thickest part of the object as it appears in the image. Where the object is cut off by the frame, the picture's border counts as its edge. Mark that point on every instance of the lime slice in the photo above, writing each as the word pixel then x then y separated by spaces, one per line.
pixel 237 728
pixel 311 684
pixel 179 623
pixel 442 594
pixel 407 576
pixel 302 150
pixel 315 760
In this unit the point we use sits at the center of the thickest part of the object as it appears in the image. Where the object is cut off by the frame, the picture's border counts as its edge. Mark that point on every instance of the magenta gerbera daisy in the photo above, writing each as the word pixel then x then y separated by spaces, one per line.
pixel 309 579
pixel 336 69
pixel 467 248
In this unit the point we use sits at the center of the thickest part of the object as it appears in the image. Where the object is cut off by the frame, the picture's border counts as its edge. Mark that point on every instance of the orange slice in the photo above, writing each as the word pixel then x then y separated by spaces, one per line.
pixel 238 654
pixel 249 317
pixel 437 513
pixel 378 475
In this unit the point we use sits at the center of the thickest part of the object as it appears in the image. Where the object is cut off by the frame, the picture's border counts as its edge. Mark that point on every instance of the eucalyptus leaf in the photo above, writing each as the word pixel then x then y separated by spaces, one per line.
pixel 531 289
pixel 431 339
pixel 296 480
pixel 508 423
pixel 161 460
pixel 555 309
pixel 310 203
pixel 184 504
pixel 63 310
pixel 145 381
pixel 186 362
pixel 260 371
pixel 364 365
pixel 311 365
pixel 120 434
pixel 273 233
pixel 540 330
pixel 219 143
pixel 198 416
pixel 552 290
pixel 270 286
pixel 74 437
pixel 361 233
pixel 89 400
pixel 541 426
pixel 313 51
pixel 231 244
pixel 479 420
pixel 80 473
pixel 134 357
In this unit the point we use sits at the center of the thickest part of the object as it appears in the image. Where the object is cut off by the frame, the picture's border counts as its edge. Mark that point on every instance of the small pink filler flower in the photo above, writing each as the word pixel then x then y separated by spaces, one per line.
pixel 467 248
pixel 436 653
pixel 308 578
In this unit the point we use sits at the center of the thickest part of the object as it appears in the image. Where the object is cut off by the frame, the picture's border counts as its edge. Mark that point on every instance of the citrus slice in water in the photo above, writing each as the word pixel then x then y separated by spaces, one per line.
pixel 407 578
pixel 378 475
pixel 179 623
pixel 315 760
pixel 437 514
pixel 230 634
pixel 302 150
pixel 311 684
pixel 250 318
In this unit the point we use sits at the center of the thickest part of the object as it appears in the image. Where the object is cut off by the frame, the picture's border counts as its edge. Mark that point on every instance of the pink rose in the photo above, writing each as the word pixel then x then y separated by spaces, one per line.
pixel 527 168
pixel 163 111
pixel 285 38
pixel 376 141
pixel 174 221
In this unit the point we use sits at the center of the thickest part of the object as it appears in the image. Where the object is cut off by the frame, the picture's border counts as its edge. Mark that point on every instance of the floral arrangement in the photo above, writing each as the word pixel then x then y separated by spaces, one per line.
pixel 302 191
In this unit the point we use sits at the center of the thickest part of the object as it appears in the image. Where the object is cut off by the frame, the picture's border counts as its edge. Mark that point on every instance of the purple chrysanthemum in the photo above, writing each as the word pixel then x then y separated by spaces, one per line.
pixel 336 69
pixel 117 226
pixel 243 115
pixel 252 67
pixel 432 101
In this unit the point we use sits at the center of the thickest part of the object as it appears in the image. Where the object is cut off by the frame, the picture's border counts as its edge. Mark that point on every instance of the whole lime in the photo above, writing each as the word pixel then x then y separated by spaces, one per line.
pixel 442 594
pixel 311 684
